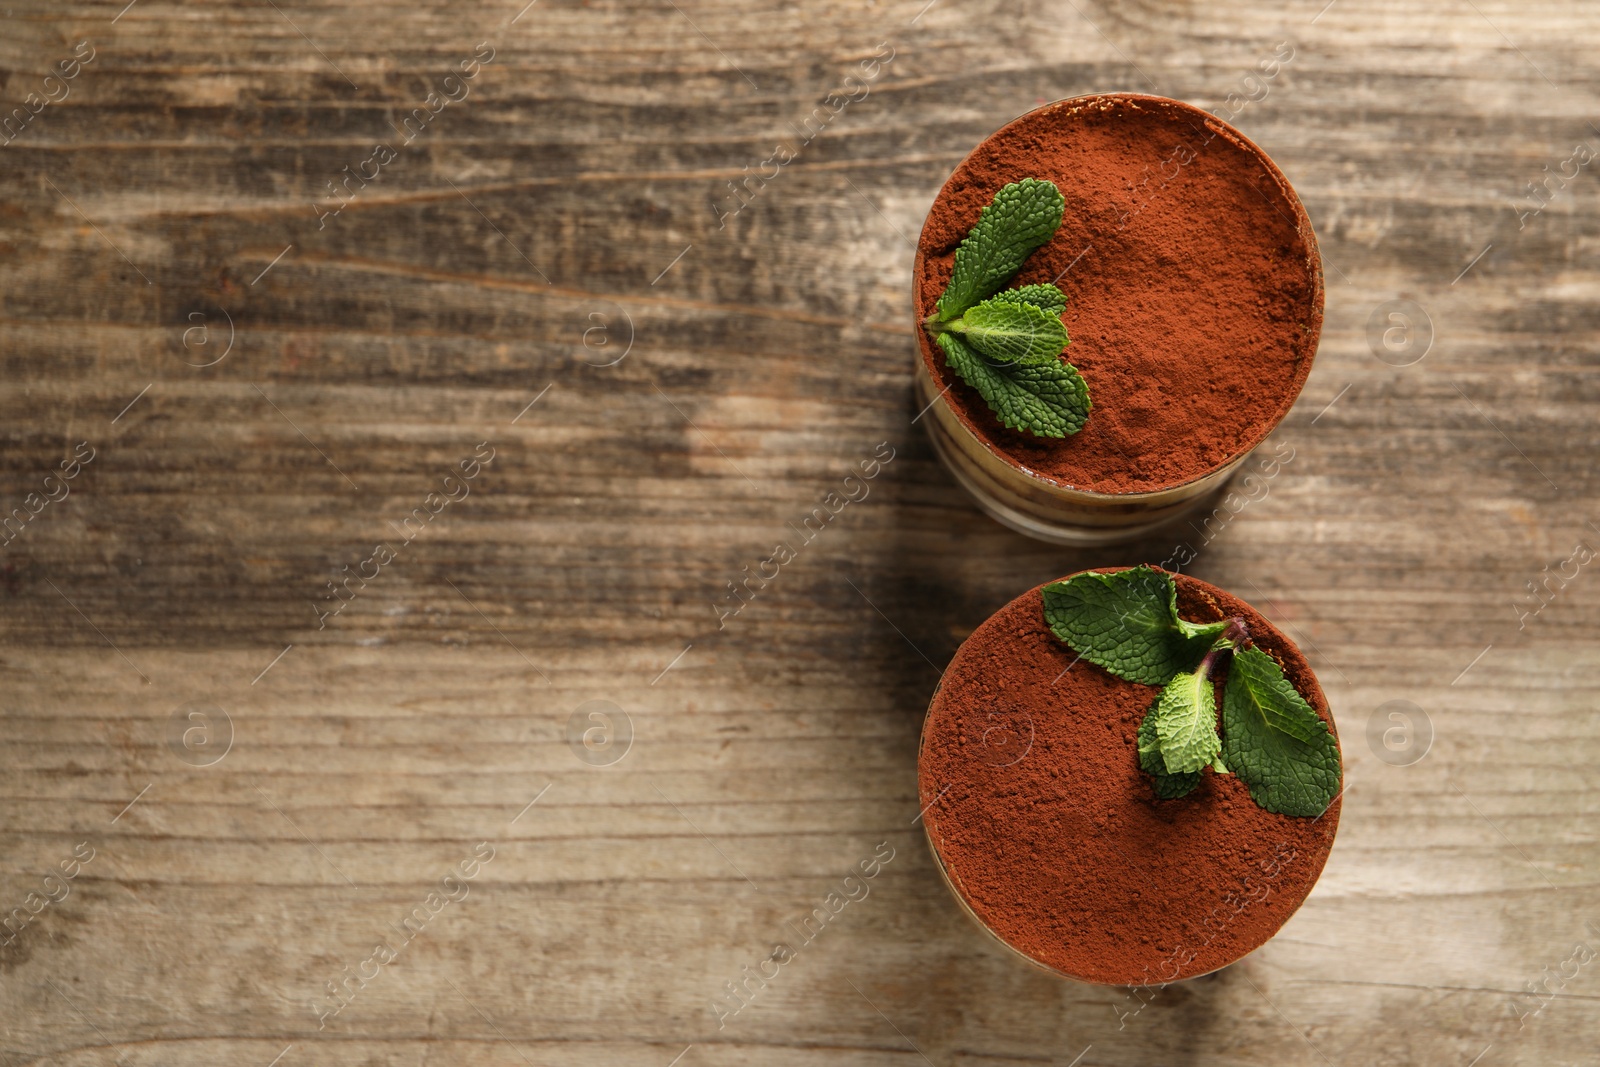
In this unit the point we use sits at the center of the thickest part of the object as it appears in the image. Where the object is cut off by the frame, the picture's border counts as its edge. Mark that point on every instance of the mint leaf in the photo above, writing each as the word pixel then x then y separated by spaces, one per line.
pixel 1274 741
pixel 1186 721
pixel 1021 217
pixel 1045 297
pixel 1216 632
pixel 1046 399
pixel 1167 786
pixel 1128 623
pixel 1012 333
pixel 1210 630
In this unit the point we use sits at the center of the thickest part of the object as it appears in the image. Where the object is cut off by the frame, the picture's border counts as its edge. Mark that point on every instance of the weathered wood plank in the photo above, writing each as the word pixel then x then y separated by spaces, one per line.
pixel 181 183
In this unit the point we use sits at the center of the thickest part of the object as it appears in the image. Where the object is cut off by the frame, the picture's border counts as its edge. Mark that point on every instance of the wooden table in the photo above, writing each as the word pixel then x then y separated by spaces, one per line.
pixel 545 262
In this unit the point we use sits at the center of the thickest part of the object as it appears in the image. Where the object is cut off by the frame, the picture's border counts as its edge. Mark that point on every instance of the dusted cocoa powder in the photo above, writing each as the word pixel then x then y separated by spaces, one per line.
pixel 1194 294
pixel 1054 838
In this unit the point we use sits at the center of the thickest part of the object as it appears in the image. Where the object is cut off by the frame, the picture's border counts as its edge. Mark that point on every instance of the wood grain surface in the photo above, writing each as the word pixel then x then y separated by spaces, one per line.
pixel 545 263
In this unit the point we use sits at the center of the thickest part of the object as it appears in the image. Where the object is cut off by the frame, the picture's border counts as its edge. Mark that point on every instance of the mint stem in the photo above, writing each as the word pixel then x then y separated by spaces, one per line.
pixel 1236 633
pixel 1232 639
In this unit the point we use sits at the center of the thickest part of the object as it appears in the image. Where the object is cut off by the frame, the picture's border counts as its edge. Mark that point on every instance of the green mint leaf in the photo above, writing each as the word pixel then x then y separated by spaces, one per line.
pixel 1021 217
pixel 1046 399
pixel 1045 297
pixel 1186 721
pixel 1167 786
pixel 1274 741
pixel 1013 333
pixel 1128 623
pixel 1212 630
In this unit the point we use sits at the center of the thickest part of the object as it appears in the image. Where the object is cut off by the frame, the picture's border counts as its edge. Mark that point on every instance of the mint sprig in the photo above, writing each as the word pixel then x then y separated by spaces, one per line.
pixel 1127 622
pixel 1007 345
